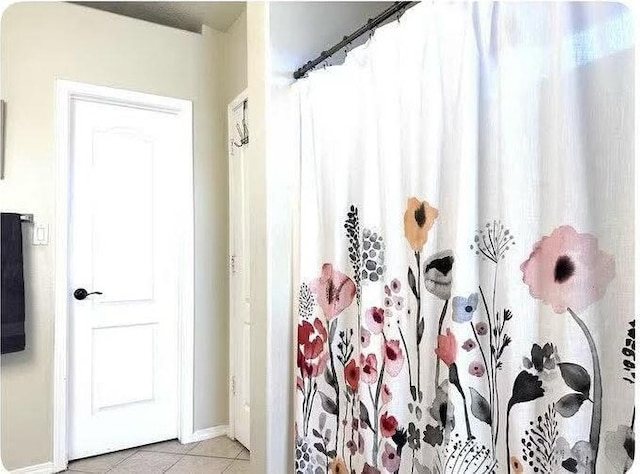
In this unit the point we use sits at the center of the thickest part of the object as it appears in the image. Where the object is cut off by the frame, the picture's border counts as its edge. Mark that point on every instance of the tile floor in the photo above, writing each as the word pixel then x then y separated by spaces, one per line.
pixel 213 456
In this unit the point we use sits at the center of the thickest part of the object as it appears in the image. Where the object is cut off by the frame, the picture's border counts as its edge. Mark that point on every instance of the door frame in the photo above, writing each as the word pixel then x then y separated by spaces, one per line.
pixel 66 92
pixel 233 326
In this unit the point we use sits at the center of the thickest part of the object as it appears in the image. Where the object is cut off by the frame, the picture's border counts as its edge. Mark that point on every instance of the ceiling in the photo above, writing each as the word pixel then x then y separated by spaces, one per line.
pixel 188 16
pixel 300 31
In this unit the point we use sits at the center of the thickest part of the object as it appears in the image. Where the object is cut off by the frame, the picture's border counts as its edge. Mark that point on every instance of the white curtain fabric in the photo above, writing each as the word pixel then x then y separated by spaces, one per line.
pixel 465 278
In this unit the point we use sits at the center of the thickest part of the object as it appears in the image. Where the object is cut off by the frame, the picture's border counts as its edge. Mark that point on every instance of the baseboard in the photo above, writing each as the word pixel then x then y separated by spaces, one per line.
pixel 208 433
pixel 44 468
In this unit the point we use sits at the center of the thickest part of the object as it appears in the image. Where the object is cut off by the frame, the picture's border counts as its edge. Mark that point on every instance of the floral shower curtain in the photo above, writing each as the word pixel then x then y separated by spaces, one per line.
pixel 465 286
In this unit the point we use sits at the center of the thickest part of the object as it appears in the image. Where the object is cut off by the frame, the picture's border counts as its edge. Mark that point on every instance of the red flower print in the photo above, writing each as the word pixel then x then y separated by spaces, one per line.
pixel 312 367
pixel 334 291
pixel 368 469
pixel 375 319
pixel 568 270
pixel 446 349
pixel 386 394
pixel 352 374
pixel 310 339
pixel 388 425
pixel 393 357
pixel 312 357
pixel 369 371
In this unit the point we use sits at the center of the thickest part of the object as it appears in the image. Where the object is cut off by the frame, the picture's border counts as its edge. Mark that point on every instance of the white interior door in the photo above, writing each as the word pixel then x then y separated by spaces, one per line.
pixel 240 277
pixel 125 236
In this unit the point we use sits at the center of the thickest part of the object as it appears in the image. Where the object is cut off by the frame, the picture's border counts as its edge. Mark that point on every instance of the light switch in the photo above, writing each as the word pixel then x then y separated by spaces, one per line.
pixel 40 234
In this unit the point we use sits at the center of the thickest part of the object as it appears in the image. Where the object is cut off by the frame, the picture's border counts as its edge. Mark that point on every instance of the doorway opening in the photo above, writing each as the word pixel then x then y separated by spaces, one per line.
pixel 239 273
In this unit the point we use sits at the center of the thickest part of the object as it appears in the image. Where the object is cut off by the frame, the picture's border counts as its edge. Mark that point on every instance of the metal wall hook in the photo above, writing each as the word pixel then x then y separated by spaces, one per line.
pixel 243 129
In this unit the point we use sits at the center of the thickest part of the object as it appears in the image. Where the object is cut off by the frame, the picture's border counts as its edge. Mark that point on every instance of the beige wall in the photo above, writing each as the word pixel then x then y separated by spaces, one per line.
pixel 236 58
pixel 45 41
pixel 257 56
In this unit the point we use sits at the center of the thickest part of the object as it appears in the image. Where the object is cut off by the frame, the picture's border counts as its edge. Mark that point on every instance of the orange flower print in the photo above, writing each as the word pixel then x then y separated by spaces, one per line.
pixel 338 466
pixel 516 465
pixel 418 219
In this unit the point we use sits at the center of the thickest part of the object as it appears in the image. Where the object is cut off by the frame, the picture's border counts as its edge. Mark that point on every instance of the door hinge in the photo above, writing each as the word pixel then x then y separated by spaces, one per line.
pixel 233 385
pixel 233 264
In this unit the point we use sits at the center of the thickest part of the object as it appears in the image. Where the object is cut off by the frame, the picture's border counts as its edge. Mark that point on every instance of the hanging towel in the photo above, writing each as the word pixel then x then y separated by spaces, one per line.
pixel 11 284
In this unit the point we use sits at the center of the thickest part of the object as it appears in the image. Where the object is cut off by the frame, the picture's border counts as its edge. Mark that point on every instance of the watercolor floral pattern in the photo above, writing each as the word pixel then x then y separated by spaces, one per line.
pixel 363 404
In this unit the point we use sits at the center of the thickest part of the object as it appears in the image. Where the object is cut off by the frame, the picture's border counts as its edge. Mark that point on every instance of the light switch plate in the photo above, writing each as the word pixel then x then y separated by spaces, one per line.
pixel 40 234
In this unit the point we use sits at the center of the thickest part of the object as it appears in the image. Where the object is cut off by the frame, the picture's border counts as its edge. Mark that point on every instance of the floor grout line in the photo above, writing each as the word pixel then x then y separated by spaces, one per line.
pixel 209 456
pixel 179 459
pixel 135 451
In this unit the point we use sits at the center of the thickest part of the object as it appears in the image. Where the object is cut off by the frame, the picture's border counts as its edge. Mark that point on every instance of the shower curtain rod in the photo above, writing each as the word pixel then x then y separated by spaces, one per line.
pixel 372 23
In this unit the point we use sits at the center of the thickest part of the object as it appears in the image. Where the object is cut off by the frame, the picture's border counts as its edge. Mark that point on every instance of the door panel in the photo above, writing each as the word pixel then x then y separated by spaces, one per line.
pixel 124 243
pixel 240 283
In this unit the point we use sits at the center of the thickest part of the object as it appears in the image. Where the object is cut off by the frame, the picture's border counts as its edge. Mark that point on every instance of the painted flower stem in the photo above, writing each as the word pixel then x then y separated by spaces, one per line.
pixel 489 381
pixel 494 337
pixel 418 293
pixel 454 379
pixel 336 385
pixel 304 407
pixel 440 322
pixel 375 402
pixel 310 406
pixel 596 417
pixel 507 438
pixel 406 351
pixel 344 429
pixel 491 369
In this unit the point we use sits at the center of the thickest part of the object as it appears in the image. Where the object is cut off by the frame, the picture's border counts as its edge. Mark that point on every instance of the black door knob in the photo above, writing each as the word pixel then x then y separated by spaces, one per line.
pixel 81 293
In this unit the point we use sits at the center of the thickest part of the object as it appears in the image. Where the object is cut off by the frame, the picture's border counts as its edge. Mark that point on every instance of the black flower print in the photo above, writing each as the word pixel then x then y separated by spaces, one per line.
pixel 544 360
pixel 438 275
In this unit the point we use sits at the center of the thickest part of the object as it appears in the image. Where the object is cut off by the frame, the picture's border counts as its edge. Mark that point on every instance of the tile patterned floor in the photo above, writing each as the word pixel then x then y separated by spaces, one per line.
pixel 213 456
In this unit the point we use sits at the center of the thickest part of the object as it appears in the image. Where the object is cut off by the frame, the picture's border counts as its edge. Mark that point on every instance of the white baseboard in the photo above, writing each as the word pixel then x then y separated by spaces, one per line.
pixel 208 433
pixel 44 468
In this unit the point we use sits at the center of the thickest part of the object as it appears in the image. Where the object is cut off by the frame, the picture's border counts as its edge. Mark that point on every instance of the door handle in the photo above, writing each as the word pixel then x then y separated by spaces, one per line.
pixel 81 293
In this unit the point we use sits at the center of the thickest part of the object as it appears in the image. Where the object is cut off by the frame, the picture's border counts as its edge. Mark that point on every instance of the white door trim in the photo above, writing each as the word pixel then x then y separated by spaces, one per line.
pixel 65 92
pixel 239 99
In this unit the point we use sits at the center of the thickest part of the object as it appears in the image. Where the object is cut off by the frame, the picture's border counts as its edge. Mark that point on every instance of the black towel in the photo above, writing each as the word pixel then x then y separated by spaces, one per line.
pixel 11 284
